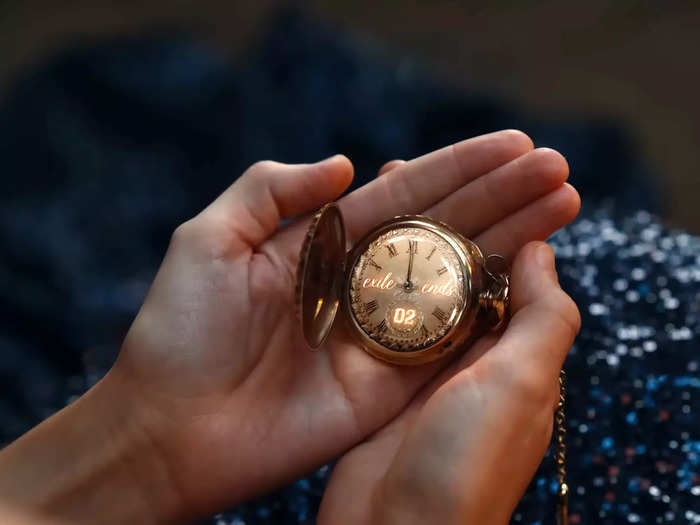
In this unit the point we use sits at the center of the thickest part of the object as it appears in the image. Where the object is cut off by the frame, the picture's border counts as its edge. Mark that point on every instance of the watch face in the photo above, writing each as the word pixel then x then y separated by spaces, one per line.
pixel 407 288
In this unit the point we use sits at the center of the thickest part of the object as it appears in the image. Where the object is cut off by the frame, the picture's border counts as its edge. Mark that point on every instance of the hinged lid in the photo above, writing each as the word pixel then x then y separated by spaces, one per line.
pixel 320 274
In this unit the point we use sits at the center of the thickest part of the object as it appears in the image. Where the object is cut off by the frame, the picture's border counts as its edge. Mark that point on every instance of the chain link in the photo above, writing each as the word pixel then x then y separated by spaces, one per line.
pixel 560 453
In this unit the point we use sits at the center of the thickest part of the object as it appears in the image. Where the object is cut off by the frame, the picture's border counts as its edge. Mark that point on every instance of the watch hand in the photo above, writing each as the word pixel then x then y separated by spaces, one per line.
pixel 411 250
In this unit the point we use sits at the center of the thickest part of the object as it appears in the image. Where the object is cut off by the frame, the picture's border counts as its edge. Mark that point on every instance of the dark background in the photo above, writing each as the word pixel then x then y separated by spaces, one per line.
pixel 630 62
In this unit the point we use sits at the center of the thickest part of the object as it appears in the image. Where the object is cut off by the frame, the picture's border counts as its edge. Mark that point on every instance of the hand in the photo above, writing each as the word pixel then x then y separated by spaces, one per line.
pixel 214 376
pixel 465 449
pixel 216 351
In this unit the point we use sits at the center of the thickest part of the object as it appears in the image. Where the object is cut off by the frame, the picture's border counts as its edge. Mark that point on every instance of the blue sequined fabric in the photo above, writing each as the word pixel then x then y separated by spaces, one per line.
pixel 106 148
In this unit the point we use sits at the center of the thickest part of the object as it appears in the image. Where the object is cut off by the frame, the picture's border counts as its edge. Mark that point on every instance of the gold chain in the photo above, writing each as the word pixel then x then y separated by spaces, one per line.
pixel 560 453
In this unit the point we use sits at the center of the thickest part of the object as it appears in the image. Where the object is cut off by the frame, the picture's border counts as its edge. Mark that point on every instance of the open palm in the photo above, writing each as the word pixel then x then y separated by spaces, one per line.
pixel 226 387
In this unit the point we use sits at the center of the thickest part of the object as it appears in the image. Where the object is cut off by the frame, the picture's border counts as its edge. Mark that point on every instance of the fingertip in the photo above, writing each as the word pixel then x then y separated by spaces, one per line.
pixel 504 145
pixel 340 169
pixel 337 161
pixel 535 253
pixel 575 199
pixel 386 168
pixel 528 251
pixel 533 270
pixel 544 255
pixel 570 203
pixel 300 188
pixel 500 147
pixel 519 140
pixel 338 158
pixel 551 165
pixel 564 204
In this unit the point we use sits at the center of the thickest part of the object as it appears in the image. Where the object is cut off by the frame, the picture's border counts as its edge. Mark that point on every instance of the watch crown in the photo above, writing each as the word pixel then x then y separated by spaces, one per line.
pixel 496 297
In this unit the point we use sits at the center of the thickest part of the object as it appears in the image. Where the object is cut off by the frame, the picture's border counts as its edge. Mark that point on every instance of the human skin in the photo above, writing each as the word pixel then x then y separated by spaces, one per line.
pixel 215 398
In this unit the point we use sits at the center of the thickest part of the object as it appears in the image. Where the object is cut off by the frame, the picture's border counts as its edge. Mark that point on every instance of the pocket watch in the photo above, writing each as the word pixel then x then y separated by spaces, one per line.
pixel 412 290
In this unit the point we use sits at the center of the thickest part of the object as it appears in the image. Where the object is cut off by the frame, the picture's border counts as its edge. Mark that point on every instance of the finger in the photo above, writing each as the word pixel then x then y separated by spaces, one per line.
pixel 494 196
pixel 390 166
pixel 535 222
pixel 270 191
pixel 545 320
pixel 418 184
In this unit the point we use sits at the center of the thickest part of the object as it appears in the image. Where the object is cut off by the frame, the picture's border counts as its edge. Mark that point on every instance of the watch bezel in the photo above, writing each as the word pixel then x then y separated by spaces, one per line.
pixel 453 337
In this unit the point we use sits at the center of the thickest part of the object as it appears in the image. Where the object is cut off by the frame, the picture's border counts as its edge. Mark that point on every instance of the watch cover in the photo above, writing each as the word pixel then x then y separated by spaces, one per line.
pixel 320 274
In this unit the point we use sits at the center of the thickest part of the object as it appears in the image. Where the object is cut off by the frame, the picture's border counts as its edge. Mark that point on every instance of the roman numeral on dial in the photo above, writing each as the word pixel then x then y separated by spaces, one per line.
pixel 441 270
pixel 381 327
pixel 374 265
pixel 371 307
pixel 392 250
pixel 431 253
pixel 423 331
pixel 440 314
pixel 412 246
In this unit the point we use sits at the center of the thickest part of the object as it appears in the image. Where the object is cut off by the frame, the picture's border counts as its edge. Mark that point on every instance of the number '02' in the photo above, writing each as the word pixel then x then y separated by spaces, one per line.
pixel 402 316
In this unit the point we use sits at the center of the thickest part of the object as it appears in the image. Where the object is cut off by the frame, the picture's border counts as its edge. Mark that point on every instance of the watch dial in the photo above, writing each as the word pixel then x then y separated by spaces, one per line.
pixel 407 289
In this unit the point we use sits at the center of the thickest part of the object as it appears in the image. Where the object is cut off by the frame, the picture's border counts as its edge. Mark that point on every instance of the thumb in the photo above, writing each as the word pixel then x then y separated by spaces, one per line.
pixel 270 191
pixel 545 319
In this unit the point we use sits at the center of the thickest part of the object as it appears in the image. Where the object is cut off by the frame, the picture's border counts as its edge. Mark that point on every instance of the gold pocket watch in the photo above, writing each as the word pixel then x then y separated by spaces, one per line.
pixel 411 290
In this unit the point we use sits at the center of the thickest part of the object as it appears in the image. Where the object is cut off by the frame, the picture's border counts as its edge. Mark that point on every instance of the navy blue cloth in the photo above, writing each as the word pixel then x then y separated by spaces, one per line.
pixel 105 149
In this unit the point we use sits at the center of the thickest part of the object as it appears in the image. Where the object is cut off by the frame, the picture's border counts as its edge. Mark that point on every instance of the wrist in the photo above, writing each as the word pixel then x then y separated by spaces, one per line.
pixel 91 461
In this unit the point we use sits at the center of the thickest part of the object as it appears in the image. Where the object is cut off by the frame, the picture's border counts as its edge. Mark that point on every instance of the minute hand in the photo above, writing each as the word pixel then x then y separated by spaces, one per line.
pixel 411 250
